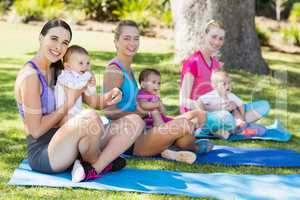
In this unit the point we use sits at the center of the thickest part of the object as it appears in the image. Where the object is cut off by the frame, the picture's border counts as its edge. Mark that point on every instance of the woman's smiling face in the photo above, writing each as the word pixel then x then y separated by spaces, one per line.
pixel 214 39
pixel 129 41
pixel 55 43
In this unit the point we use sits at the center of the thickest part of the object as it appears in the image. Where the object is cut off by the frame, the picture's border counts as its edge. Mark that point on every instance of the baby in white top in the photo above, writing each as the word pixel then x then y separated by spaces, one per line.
pixel 76 75
pixel 221 96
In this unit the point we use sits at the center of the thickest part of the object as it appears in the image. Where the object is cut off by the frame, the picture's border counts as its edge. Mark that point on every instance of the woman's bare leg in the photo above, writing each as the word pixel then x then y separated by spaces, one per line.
pixel 64 146
pixel 197 116
pixel 157 139
pixel 252 116
pixel 187 143
pixel 121 134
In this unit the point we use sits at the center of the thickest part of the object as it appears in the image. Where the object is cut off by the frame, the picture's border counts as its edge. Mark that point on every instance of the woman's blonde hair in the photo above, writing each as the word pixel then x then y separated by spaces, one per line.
pixel 213 23
pixel 121 24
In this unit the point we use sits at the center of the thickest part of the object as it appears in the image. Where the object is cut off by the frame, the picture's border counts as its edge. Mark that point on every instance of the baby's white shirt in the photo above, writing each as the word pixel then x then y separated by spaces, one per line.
pixel 214 99
pixel 76 81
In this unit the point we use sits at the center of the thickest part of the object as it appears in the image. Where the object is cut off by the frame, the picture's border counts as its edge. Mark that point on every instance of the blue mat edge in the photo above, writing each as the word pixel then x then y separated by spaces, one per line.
pixel 170 192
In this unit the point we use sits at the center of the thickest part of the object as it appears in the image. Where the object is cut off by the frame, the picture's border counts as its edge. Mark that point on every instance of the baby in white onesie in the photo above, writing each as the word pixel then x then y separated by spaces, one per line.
pixel 76 75
pixel 221 96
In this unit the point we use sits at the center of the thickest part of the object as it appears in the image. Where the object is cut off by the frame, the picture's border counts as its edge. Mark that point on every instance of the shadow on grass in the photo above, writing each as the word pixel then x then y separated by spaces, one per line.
pixel 12 147
pixel 8 108
pixel 292 77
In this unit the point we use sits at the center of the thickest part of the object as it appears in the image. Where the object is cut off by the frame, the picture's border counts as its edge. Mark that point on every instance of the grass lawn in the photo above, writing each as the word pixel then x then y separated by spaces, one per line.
pixel 18 43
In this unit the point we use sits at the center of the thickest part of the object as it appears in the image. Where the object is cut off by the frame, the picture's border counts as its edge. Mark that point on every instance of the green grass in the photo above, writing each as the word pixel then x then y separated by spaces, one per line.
pixel 18 43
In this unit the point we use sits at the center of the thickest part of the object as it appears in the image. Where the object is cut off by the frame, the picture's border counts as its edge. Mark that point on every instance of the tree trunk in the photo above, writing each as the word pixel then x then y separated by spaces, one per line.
pixel 241 48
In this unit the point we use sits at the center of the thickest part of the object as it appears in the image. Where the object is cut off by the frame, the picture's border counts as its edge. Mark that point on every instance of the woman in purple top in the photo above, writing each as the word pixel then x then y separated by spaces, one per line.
pixel 52 149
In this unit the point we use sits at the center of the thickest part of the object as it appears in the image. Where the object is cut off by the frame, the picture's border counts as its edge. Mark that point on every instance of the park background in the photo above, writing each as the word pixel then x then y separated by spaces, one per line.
pixel 93 22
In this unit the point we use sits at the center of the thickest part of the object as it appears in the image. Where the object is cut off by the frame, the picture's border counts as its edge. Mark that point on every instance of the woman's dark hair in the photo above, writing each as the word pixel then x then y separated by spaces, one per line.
pixel 57 66
pixel 146 73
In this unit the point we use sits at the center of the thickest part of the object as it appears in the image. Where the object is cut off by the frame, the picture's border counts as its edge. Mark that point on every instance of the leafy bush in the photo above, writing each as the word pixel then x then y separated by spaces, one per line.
pixel 263 35
pixel 266 8
pixel 38 9
pixel 95 9
pixel 28 10
pixel 4 5
pixel 141 11
pixel 291 34
pixel 167 18
pixel 75 16
pixel 165 13
pixel 295 13
pixel 54 10
pixel 146 13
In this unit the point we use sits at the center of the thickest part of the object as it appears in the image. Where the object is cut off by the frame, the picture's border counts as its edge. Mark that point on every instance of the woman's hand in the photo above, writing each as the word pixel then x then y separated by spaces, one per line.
pixel 72 95
pixel 240 123
pixel 112 97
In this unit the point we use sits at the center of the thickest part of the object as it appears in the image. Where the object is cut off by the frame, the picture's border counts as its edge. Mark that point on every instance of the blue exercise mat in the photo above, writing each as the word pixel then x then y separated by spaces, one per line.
pixel 275 132
pixel 216 185
pixel 250 156
pixel 234 156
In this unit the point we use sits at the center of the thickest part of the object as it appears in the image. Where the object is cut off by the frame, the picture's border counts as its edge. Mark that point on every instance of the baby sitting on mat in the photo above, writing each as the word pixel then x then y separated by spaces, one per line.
pixel 149 100
pixel 220 97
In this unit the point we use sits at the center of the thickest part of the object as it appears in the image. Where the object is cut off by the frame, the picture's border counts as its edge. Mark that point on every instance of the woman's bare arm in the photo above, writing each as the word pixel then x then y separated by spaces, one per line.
pixel 35 123
pixel 113 78
pixel 185 93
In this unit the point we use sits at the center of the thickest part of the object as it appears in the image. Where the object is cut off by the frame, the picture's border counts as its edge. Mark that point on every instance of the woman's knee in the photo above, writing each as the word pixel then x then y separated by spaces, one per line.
pixel 201 115
pixel 83 145
pixel 185 142
pixel 182 126
pixel 90 123
pixel 135 120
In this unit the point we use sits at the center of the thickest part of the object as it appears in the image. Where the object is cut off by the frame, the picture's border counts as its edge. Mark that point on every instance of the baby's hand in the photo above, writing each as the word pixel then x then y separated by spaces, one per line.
pixel 140 111
pixel 161 108
pixel 230 106
pixel 240 123
pixel 92 81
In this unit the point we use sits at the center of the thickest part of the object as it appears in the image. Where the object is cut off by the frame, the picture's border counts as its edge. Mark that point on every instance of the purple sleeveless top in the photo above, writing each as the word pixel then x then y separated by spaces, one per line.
pixel 47 96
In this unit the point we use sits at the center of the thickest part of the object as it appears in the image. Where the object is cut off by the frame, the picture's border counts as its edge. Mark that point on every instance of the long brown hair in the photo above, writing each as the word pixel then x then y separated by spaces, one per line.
pixel 57 66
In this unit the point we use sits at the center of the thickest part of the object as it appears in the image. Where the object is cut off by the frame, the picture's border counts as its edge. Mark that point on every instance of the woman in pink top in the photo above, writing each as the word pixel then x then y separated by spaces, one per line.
pixel 196 81
pixel 197 69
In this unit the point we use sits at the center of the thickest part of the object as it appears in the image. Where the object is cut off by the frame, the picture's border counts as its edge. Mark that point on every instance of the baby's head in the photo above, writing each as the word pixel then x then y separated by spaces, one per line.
pixel 77 59
pixel 149 80
pixel 221 82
